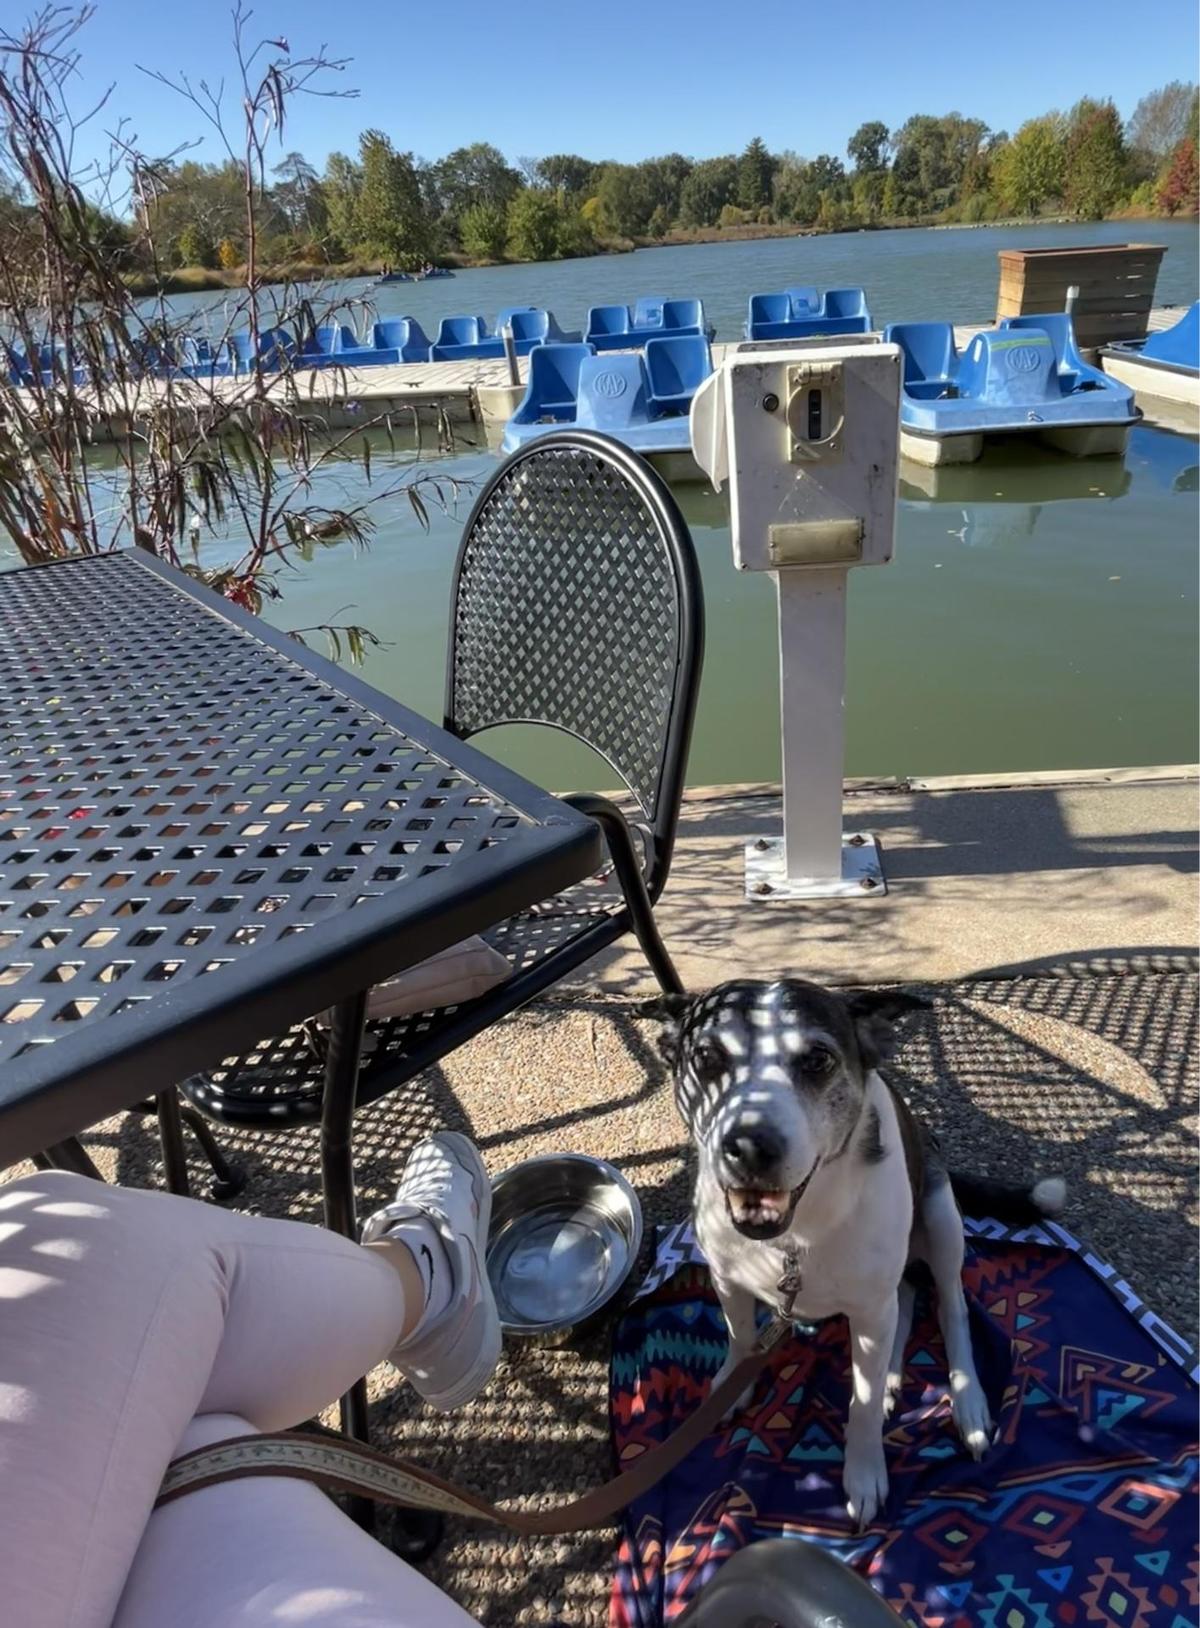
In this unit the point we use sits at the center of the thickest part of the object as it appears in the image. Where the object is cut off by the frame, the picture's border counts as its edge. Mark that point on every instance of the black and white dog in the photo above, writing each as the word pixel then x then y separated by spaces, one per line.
pixel 804 1147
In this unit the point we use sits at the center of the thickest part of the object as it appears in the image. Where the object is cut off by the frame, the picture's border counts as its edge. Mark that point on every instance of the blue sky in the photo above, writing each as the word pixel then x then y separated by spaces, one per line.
pixel 700 77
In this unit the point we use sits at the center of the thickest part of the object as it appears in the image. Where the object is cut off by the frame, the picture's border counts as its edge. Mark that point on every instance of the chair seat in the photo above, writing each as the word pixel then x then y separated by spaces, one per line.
pixel 280 1082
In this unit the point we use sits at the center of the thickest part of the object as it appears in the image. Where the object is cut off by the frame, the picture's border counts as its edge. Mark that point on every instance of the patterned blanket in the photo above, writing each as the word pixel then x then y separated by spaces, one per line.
pixel 1084 1511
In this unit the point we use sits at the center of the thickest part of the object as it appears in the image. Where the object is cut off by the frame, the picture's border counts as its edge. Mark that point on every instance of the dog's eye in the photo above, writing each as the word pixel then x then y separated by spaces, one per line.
pixel 708 1059
pixel 818 1061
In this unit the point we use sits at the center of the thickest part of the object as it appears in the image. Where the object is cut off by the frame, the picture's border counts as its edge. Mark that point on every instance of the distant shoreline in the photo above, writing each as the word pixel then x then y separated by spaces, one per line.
pixel 203 279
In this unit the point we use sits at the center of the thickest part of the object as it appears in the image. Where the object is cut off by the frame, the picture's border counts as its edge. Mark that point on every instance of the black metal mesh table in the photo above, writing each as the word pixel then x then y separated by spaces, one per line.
pixel 207 833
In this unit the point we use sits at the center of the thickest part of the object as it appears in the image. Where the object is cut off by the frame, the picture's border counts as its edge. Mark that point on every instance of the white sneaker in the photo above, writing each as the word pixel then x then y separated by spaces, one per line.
pixel 451 1357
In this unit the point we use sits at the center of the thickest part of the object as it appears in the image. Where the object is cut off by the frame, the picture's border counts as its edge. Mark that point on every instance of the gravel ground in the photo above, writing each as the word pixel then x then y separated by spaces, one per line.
pixel 1091 1076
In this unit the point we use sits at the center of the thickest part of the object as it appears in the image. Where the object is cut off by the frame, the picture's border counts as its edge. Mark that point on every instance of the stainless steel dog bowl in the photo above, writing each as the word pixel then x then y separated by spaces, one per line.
pixel 565 1232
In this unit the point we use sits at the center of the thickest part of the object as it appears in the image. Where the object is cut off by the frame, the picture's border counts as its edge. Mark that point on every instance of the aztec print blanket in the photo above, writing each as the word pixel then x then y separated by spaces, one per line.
pixel 1084 1512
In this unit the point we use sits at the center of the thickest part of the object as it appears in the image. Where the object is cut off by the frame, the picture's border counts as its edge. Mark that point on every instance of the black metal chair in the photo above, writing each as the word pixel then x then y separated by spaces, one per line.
pixel 576 604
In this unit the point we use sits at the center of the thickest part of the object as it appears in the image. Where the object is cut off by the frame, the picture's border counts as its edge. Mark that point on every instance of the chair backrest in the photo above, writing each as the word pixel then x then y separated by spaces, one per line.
pixel 612 391
pixel 403 334
pixel 928 349
pixel 1006 369
pixel 767 308
pixel 677 366
pixel 529 326
pixel 801 303
pixel 608 319
pixel 553 382
pixel 1059 328
pixel 847 302
pixel 677 314
pixel 577 604
pixel 462 331
pixel 507 313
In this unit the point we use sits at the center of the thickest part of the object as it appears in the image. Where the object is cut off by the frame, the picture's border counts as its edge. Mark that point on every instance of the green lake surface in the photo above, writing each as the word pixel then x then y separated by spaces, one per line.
pixel 1040 612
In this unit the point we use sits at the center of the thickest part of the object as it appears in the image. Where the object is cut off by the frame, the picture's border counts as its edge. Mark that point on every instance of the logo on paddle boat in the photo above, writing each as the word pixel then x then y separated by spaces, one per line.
pixel 609 385
pixel 1024 359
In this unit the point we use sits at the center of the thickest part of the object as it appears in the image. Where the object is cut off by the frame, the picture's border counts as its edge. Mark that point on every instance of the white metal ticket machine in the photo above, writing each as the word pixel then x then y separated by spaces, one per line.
pixel 807 439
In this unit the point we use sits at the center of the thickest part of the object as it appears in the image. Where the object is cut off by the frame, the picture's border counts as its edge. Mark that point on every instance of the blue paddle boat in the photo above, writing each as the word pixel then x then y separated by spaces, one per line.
pixel 1024 377
pixel 620 327
pixel 1165 365
pixel 641 398
pixel 808 313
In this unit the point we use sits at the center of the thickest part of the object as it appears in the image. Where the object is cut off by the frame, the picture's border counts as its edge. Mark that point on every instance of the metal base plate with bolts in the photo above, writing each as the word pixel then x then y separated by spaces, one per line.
pixel 862 872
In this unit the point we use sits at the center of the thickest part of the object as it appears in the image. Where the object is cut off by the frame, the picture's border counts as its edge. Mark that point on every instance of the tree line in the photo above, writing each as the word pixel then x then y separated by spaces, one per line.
pixel 384 204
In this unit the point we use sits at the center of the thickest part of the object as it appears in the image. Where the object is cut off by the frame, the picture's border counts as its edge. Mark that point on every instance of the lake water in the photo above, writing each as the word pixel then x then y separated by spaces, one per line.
pixel 1040 612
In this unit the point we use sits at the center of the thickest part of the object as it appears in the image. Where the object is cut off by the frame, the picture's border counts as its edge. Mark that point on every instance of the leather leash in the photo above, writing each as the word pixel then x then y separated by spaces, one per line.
pixel 347 1466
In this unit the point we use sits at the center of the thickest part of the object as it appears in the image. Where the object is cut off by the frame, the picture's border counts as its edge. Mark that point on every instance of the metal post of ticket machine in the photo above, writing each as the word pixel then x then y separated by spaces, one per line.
pixel 807 438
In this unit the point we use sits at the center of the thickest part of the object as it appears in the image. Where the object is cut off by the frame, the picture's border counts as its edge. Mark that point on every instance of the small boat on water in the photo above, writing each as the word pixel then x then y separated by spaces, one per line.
pixel 1165 365
pixel 1025 377
pixel 639 398
pixel 413 276
pixel 622 327
pixel 807 313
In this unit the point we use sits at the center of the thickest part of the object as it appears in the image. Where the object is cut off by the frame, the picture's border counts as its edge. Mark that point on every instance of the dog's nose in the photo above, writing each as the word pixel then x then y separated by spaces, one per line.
pixel 750 1150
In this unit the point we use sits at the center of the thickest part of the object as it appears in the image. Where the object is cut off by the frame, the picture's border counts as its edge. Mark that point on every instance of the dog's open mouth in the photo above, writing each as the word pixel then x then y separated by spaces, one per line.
pixel 764 1212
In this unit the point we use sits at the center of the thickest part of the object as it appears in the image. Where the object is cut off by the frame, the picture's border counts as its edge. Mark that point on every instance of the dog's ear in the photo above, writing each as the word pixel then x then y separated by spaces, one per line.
pixel 669 1011
pixel 873 1013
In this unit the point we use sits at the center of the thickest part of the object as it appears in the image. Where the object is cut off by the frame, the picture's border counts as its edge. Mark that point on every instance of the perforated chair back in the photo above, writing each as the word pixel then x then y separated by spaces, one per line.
pixel 577 604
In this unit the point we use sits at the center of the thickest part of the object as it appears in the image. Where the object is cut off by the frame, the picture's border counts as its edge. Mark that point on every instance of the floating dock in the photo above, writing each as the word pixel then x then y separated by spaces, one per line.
pixel 427 392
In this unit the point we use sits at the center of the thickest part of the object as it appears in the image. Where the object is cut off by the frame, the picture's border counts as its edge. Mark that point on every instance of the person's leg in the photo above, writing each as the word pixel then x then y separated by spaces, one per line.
pixel 114 1306
pixel 270 1552
pixel 124 1313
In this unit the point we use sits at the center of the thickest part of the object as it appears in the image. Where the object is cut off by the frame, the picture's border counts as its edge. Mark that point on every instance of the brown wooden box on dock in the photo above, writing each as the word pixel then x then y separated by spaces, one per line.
pixel 1115 281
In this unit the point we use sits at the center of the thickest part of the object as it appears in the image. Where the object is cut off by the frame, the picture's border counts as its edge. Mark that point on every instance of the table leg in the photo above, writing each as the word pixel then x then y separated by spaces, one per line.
pixel 417 1532
pixel 170 1135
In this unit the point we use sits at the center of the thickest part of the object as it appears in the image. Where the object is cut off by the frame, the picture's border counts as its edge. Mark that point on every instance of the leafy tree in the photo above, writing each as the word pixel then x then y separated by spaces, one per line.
pixel 1028 171
pixel 827 174
pixel 575 235
pixel 866 194
pixel 1161 120
pixel 867 145
pixel 1178 189
pixel 626 199
pixel 340 188
pixel 228 254
pixel 298 195
pixel 472 175
pixel 756 168
pixel 1095 160
pixel 889 204
pixel 195 247
pixel 566 172
pixel 389 216
pixel 484 231
pixel 709 187
pixel 731 215
pixel 660 221
pixel 796 197
pixel 533 225
pixel 663 179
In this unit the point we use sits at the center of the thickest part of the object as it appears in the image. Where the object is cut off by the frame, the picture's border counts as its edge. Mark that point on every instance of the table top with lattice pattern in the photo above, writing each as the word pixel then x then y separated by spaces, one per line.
pixel 208 832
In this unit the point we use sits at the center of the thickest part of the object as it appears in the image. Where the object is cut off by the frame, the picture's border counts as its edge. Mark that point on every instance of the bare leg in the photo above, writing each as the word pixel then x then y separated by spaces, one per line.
pixel 941 1243
pixel 864 1477
pixel 895 1379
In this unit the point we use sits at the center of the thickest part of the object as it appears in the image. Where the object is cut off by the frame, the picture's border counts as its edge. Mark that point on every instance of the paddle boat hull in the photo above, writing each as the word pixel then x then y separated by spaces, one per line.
pixel 1164 366
pixel 641 399
pixel 1025 377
